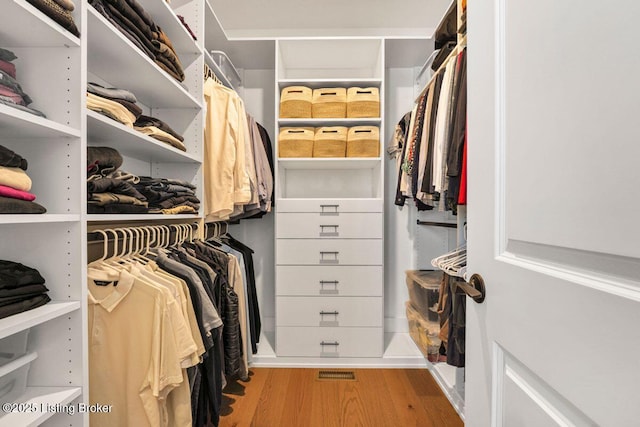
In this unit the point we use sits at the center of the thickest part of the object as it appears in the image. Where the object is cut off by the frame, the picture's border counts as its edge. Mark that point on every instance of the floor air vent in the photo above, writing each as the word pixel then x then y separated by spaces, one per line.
pixel 337 375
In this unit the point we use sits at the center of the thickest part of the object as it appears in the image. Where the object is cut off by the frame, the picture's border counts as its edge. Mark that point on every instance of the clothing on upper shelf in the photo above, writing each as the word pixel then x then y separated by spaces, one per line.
pixel 120 105
pixel 102 161
pixel 10 159
pixel 181 18
pixel 238 173
pixel 130 18
pixel 429 142
pixel 21 288
pixel 59 11
pixel 194 298
pixel 11 92
pixel 168 196
pixel 15 185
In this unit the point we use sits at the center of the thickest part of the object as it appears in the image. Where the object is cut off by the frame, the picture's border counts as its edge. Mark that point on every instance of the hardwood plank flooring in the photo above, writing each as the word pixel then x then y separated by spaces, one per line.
pixel 284 397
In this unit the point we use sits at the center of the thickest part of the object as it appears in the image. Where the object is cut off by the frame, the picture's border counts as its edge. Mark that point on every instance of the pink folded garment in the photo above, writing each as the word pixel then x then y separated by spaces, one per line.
pixel 8 68
pixel 16 194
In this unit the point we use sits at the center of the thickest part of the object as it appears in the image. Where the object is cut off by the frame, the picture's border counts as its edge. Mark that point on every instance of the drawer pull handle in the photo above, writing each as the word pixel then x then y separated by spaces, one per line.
pixel 327 313
pixel 329 282
pixel 329 257
pixel 329 230
pixel 329 208
pixel 335 343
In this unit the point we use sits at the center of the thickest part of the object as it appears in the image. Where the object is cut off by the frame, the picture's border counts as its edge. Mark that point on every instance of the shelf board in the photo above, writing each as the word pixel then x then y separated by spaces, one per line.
pixel 323 83
pixel 140 217
pixel 43 31
pixel 38 218
pixel 112 57
pixel 208 59
pixel 38 397
pixel 20 124
pixel 131 143
pixel 19 322
pixel 166 19
pixel 330 122
pixel 329 163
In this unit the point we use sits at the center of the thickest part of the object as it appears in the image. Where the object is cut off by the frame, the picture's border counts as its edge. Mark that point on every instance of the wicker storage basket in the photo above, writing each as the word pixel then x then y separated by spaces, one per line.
pixel 363 141
pixel 330 142
pixel 363 102
pixel 329 103
pixel 296 142
pixel 295 102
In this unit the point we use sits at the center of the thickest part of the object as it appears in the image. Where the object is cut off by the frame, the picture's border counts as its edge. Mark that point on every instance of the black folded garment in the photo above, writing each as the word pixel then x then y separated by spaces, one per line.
pixel 175 201
pixel 113 185
pixel 116 208
pixel 143 121
pixel 23 291
pixel 25 305
pixel 9 205
pixel 7 55
pixel 10 159
pixel 105 160
pixel 442 55
pixel 15 275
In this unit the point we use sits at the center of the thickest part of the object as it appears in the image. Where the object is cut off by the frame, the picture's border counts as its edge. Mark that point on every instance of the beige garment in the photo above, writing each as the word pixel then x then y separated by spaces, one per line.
pixel 110 108
pixel 161 135
pixel 66 4
pixel 102 199
pixel 236 282
pixel 226 180
pixel 15 178
pixel 183 209
pixel 263 170
pixel 134 360
pixel 250 164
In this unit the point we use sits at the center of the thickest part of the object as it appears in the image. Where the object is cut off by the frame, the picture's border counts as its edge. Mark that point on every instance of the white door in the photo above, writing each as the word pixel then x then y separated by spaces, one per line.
pixel 554 213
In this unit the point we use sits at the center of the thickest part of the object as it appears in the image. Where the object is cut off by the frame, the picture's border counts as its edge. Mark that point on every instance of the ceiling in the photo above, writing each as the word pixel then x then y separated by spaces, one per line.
pixel 269 19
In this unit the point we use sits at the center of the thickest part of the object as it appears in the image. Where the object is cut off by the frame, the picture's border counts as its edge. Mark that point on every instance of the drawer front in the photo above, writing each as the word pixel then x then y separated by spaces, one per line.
pixel 328 252
pixel 329 206
pixel 329 342
pixel 329 280
pixel 315 225
pixel 329 311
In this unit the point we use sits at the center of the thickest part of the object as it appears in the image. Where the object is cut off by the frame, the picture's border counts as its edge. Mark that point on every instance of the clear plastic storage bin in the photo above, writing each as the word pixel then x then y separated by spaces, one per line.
pixel 13 346
pixel 13 378
pixel 424 333
pixel 424 291
pixel 227 68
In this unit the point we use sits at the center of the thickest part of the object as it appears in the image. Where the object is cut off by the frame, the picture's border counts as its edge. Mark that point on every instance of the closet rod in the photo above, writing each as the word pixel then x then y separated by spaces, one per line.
pixel 453 53
pixel 94 236
pixel 438 224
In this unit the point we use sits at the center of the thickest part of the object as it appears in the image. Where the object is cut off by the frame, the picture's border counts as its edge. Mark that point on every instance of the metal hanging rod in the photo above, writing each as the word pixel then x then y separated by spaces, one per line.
pixel 438 224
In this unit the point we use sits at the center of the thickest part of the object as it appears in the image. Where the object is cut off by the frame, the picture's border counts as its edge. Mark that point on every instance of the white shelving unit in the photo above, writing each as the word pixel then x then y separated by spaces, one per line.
pixel 52 242
pixel 323 200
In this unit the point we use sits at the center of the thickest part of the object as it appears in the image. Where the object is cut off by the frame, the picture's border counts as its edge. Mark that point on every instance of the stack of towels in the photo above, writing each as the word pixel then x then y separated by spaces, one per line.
pixel 21 289
pixel 15 185
pixel 11 92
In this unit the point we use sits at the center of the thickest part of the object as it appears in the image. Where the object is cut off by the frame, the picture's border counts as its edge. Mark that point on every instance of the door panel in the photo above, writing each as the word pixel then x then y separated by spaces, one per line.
pixel 553 96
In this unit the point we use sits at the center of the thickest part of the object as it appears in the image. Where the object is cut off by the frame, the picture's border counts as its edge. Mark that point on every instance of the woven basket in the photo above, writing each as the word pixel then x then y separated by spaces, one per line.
pixel 330 142
pixel 329 103
pixel 363 141
pixel 295 102
pixel 363 102
pixel 296 142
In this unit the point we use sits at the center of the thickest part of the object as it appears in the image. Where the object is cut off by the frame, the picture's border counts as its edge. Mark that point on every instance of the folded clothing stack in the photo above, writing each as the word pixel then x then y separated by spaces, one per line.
pixel 110 190
pixel 15 185
pixel 115 103
pixel 120 105
pixel 11 92
pixel 159 130
pixel 59 11
pixel 169 196
pixel 21 289
pixel 130 18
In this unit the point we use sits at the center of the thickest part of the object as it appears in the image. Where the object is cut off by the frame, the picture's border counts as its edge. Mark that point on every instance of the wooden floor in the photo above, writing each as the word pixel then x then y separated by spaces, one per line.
pixel 278 397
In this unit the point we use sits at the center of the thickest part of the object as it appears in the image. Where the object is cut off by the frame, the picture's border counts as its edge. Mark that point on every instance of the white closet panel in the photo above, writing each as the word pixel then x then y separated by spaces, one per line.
pixel 330 311
pixel 322 280
pixel 317 225
pixel 329 342
pixel 329 252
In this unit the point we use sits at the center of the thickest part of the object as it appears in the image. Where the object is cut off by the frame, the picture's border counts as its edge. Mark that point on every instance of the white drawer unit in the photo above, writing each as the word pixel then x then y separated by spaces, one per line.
pixel 329 311
pixel 329 342
pixel 329 252
pixel 329 207
pixel 329 280
pixel 316 225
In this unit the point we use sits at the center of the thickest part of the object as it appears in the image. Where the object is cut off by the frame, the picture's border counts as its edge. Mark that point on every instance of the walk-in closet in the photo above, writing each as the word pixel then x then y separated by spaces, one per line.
pixel 287 213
